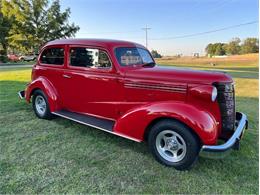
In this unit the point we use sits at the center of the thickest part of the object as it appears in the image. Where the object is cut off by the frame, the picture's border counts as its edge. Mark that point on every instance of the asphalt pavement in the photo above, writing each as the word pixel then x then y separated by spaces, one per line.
pixel 16 65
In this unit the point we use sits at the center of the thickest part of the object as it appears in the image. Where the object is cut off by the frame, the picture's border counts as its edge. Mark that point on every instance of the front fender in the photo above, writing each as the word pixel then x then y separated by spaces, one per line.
pixel 45 85
pixel 135 122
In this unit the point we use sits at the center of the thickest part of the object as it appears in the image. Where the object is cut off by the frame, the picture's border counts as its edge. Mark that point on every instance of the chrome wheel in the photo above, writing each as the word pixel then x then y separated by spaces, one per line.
pixel 171 146
pixel 40 105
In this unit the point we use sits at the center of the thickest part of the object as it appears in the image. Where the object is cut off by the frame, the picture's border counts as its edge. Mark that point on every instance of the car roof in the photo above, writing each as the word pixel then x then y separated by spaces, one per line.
pixel 94 42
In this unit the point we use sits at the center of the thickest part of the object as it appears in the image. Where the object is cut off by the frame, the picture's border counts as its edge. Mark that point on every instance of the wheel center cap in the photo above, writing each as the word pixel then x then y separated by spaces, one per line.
pixel 172 144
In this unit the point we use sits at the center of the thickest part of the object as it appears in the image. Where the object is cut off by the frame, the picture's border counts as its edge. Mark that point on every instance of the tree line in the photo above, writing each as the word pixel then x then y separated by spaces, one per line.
pixel 25 25
pixel 234 47
pixel 156 54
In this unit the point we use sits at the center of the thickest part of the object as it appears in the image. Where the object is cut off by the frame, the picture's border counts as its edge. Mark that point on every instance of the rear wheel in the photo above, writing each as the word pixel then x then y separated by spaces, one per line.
pixel 173 144
pixel 41 105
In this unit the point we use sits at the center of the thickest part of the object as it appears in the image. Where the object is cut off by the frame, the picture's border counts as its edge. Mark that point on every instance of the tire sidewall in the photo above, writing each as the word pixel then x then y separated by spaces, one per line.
pixel 47 112
pixel 192 144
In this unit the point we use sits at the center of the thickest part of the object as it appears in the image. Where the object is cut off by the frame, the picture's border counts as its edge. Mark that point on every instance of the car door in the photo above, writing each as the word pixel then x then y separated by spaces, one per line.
pixel 51 65
pixel 90 82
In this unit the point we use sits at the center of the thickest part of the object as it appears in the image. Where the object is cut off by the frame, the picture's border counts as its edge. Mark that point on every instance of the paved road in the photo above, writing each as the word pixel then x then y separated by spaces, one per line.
pixel 15 66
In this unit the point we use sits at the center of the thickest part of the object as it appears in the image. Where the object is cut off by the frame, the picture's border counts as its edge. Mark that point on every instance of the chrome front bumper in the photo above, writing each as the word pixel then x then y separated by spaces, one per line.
pixel 220 151
pixel 21 94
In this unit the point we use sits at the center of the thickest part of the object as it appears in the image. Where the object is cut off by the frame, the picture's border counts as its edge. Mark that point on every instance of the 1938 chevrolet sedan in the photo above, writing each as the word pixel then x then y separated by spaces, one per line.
pixel 116 86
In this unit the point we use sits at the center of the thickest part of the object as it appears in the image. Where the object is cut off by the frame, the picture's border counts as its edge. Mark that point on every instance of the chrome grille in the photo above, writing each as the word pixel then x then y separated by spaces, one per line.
pixel 226 100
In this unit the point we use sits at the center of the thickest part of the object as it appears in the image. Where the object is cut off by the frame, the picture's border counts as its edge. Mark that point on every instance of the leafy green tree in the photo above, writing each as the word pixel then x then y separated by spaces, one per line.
pixel 36 22
pixel 233 47
pixel 5 26
pixel 215 49
pixel 220 51
pixel 210 49
pixel 250 45
pixel 155 54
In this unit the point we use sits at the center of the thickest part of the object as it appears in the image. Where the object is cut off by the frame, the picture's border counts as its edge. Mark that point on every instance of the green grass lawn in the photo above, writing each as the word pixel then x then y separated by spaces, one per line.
pixel 60 156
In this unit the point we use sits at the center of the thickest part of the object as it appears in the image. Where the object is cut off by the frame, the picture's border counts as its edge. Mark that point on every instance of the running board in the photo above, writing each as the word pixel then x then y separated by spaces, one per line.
pixel 92 121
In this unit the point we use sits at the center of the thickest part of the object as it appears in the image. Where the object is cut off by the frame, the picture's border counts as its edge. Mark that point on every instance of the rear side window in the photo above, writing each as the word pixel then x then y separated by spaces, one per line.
pixel 89 58
pixel 52 56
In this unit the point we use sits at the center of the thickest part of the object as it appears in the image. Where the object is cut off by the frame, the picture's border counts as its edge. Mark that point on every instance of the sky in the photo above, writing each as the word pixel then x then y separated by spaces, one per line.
pixel 168 19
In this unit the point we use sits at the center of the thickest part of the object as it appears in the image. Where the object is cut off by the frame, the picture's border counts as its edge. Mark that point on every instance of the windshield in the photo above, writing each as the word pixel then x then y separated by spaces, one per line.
pixel 133 56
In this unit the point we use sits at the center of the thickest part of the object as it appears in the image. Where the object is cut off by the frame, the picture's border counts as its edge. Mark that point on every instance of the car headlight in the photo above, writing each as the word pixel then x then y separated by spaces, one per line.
pixel 214 94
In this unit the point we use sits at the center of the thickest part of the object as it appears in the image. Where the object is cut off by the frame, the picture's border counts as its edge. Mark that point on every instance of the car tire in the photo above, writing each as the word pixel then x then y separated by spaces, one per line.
pixel 41 105
pixel 173 144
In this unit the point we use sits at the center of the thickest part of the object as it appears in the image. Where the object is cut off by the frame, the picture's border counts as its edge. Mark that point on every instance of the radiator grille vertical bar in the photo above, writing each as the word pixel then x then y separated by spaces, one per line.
pixel 226 100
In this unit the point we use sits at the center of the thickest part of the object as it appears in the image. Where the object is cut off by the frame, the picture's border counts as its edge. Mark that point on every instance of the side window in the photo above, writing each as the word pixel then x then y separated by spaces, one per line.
pixel 90 58
pixel 53 56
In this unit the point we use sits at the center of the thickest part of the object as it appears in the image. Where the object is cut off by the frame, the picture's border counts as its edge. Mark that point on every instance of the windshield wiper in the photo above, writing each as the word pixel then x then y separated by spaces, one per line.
pixel 150 64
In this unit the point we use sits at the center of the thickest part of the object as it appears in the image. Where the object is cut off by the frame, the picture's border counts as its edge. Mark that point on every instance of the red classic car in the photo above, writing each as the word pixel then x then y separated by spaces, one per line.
pixel 116 86
pixel 13 57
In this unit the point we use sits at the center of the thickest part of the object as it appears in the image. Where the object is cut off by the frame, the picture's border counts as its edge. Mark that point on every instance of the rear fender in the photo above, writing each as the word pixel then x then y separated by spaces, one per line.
pixel 135 122
pixel 45 85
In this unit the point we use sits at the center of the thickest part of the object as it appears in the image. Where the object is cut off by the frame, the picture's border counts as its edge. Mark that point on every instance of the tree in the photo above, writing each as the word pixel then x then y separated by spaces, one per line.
pixel 210 49
pixel 215 49
pixel 5 26
pixel 155 54
pixel 233 47
pixel 250 45
pixel 220 51
pixel 36 22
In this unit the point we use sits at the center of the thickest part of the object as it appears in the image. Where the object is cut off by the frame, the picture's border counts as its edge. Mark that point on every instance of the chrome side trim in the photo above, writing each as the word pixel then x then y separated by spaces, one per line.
pixel 234 140
pixel 21 94
pixel 118 134
pixel 180 89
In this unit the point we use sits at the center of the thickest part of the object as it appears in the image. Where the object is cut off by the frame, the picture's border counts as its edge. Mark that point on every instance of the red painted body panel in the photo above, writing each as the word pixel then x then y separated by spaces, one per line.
pixel 199 95
pixel 171 74
pixel 47 87
pixel 134 122
pixel 132 96
pixel 98 93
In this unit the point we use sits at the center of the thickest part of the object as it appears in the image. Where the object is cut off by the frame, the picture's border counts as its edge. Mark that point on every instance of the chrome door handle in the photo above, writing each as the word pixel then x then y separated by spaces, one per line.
pixel 66 76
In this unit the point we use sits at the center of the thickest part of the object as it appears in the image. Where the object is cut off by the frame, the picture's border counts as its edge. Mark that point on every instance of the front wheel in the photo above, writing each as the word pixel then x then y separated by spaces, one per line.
pixel 41 105
pixel 173 144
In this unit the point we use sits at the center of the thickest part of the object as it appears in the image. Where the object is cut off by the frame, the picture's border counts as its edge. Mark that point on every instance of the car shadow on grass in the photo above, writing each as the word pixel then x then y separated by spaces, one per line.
pixel 103 136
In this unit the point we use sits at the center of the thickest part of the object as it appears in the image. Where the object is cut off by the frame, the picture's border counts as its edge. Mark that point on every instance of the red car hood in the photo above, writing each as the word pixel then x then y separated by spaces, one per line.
pixel 173 74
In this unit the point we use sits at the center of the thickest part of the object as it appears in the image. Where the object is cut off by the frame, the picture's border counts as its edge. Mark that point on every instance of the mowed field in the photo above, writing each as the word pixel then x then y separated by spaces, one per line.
pixel 60 156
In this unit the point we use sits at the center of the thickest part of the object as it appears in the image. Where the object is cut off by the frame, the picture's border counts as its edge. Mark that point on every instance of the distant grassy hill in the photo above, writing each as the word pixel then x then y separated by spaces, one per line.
pixel 248 60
